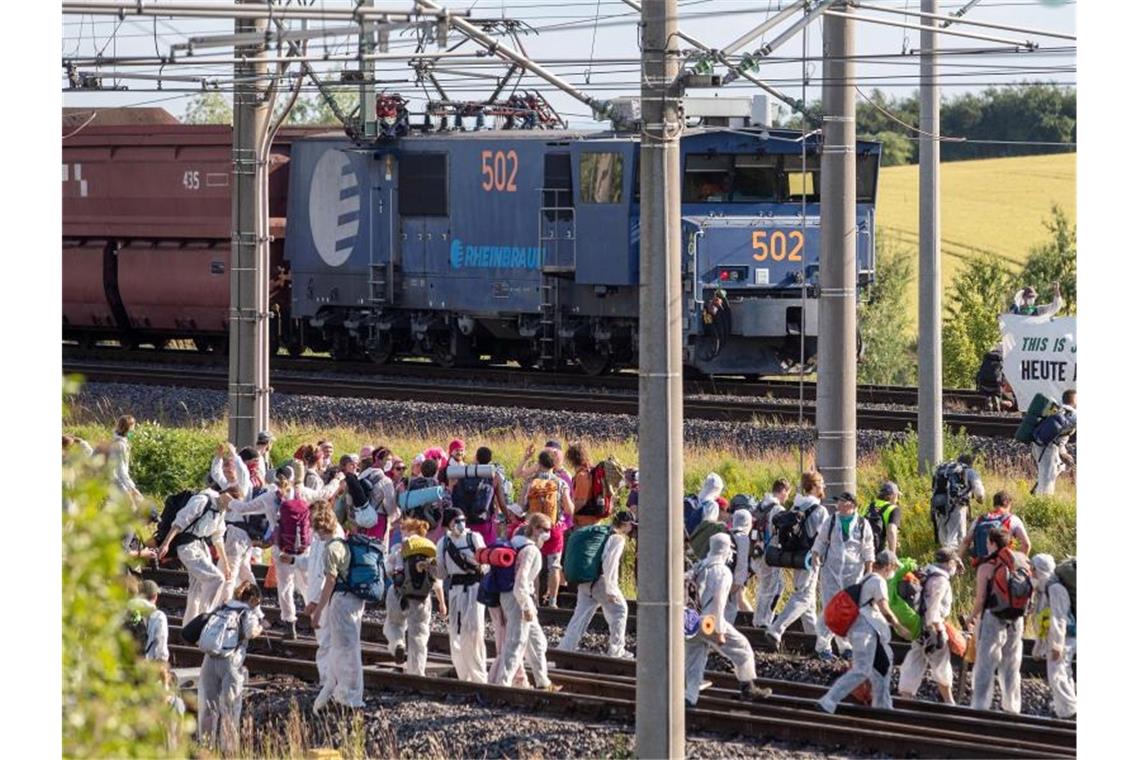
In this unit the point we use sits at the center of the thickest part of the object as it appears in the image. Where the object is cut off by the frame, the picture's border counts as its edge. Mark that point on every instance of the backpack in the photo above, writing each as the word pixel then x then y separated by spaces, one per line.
pixel 982 528
pixel 843 609
pixel 1061 423
pixel 990 374
pixel 733 558
pixel 761 535
pixel 415 583
pixel 170 509
pixel 466 565
pixel 542 496
pixel 192 630
pixel 790 531
pixel 136 624
pixel 359 491
pixel 474 496
pixel 365 575
pixel 692 513
pixel 1066 574
pixel 949 488
pixel 743 501
pixel 424 500
pixel 222 632
pixel 699 541
pixel 878 516
pixel 294 533
pixel 582 556
pixel 501 578
pixel 600 502
pixel 1011 586
pixel 906 595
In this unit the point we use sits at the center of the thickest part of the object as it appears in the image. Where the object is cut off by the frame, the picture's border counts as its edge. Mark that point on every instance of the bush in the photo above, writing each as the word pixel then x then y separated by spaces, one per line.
pixel 979 294
pixel 114 704
pixel 888 339
pixel 1055 261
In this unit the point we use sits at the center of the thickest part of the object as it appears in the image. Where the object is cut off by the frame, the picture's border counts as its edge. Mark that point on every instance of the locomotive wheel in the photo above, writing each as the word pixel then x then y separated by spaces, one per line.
pixel 203 345
pixel 443 357
pixel 382 349
pixel 593 363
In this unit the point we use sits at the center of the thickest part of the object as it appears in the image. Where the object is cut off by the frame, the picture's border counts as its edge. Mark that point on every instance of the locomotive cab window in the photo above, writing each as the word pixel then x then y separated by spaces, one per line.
pixel 866 178
pixel 755 179
pixel 708 179
pixel 600 178
pixel 557 194
pixel 423 184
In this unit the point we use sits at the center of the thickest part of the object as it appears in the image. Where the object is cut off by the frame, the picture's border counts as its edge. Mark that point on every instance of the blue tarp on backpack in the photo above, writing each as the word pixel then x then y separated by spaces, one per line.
pixel 365 576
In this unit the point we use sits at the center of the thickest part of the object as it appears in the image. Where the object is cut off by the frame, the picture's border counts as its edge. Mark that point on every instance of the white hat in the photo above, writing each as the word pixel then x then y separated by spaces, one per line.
pixel 742 520
pixel 712 487
pixel 1044 563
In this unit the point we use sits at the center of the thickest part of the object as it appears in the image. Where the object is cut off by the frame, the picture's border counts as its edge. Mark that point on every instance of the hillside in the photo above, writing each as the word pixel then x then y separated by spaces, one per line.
pixel 991 207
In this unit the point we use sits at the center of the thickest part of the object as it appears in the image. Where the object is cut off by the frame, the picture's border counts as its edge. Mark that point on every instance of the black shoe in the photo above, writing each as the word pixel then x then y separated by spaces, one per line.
pixel 749 690
pixel 769 641
pixel 291 631
pixel 400 655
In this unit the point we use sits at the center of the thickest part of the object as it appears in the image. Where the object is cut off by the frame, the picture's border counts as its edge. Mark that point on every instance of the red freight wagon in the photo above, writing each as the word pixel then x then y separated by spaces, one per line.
pixel 146 227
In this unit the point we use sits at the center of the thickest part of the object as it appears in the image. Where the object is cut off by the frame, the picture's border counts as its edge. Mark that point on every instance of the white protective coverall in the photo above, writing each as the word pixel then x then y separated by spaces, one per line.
pixel 999 650
pixel 206 579
pixel 843 561
pixel 525 639
pixel 741 528
pixel 939 600
pixel 714 581
pixel 769 580
pixel 239 545
pixel 343 616
pixel 407 618
pixel 952 528
pixel 243 482
pixel 1049 464
pixel 120 455
pixel 870 637
pixel 604 593
pixel 802 602
pixel 465 616
pixel 1060 672
pixel 220 687
pixel 157 637
pixel 316 579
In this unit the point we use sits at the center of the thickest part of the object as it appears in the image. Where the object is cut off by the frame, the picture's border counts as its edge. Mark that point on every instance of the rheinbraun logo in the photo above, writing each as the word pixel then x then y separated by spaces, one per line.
pixel 334 207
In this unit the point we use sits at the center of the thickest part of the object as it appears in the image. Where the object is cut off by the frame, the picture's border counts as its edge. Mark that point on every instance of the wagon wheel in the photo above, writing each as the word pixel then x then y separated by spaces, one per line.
pixel 382 349
pixel 594 363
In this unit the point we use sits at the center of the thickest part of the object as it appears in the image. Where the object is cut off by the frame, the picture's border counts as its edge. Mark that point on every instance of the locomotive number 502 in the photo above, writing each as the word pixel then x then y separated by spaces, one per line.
pixel 499 171
pixel 775 245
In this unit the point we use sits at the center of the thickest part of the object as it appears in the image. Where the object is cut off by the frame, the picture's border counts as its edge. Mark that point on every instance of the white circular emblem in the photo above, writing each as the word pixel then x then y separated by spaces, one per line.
pixel 334 207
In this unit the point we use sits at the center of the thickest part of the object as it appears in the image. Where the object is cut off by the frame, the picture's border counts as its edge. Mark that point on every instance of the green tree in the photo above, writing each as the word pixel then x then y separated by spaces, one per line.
pixel 316 111
pixel 896 148
pixel 978 295
pixel 114 704
pixel 1055 261
pixel 888 338
pixel 209 107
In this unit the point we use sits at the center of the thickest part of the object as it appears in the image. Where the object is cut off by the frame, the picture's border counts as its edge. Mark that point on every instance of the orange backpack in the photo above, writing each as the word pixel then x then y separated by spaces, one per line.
pixel 543 497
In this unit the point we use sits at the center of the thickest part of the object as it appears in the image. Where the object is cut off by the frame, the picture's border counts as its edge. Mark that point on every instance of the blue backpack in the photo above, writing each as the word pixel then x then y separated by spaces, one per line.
pixel 692 513
pixel 499 580
pixel 365 576
pixel 982 531
pixel 1054 426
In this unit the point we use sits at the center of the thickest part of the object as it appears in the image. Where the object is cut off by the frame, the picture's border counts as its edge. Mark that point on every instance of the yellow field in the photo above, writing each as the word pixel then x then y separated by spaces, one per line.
pixel 992 207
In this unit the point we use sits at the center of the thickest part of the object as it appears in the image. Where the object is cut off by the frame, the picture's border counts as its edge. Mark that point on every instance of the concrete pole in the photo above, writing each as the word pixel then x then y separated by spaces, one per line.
pixel 249 247
pixel 660 643
pixel 929 252
pixel 835 403
pixel 368 125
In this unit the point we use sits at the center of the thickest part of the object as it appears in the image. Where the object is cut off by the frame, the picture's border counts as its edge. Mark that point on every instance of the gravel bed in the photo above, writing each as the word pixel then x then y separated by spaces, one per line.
pixel 193 406
pixel 412 726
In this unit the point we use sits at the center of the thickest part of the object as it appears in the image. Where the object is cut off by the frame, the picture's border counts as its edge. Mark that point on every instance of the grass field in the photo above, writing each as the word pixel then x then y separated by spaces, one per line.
pixel 992 208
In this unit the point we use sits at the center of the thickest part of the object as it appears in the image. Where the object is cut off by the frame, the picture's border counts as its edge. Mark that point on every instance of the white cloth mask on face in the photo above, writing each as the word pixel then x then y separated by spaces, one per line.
pixel 542 538
pixel 458 527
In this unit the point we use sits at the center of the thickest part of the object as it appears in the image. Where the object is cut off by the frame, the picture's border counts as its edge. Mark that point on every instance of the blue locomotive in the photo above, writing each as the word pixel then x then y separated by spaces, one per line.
pixel 523 245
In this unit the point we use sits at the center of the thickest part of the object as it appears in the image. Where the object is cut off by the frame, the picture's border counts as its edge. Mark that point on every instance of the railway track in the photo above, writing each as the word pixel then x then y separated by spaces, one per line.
pixel 703 407
pixel 793 641
pixel 516 376
pixel 595 687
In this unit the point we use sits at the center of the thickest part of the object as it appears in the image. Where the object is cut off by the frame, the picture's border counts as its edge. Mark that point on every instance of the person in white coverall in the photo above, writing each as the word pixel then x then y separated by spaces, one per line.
pixel 931 649
pixel 202 520
pixel 742 543
pixel 222 678
pixel 525 638
pixel 605 593
pixel 324 523
pixel 239 543
pixel 999 647
pixel 769 580
pixel 407 617
pixel 843 551
pixel 870 637
pixel 1059 644
pixel 802 602
pixel 461 571
pixel 1053 458
pixel 713 583
pixel 344 676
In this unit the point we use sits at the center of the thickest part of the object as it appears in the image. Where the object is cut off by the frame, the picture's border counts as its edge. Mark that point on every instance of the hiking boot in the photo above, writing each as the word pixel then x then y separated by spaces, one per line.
pixel 825 656
pixel 400 655
pixel 291 631
pixel 769 641
pixel 749 690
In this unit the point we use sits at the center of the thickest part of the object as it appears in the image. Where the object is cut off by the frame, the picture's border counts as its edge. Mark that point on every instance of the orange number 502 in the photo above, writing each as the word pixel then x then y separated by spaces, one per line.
pixel 775 245
pixel 499 171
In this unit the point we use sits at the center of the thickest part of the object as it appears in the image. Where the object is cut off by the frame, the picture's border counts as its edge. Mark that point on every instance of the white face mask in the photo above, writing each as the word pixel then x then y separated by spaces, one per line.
pixel 458 527
pixel 542 538
pixel 387 465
